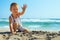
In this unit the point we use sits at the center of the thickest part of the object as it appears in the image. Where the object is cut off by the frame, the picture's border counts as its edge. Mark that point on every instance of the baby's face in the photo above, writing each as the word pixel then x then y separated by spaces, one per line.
pixel 14 9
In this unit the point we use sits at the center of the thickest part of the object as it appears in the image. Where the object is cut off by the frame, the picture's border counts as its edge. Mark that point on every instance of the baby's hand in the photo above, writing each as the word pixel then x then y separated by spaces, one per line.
pixel 13 32
pixel 24 7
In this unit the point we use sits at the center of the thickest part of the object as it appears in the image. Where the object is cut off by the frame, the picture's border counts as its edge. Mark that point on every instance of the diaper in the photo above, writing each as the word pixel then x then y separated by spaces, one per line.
pixel 21 29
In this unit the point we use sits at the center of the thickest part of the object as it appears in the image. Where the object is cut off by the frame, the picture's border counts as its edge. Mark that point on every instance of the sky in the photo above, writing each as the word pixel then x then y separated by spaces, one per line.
pixel 35 8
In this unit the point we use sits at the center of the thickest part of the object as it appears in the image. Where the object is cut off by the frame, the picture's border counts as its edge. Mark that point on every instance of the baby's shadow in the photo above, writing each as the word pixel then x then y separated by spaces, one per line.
pixel 4 32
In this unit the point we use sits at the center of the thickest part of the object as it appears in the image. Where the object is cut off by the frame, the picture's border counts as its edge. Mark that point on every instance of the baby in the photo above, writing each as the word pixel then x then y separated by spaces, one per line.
pixel 14 20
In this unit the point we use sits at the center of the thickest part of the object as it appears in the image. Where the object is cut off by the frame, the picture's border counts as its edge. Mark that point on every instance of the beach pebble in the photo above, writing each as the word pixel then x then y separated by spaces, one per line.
pixel 48 37
pixel 33 38
pixel 5 35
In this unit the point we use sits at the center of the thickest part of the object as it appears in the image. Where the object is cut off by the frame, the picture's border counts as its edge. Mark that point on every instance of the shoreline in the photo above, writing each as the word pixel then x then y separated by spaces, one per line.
pixel 8 29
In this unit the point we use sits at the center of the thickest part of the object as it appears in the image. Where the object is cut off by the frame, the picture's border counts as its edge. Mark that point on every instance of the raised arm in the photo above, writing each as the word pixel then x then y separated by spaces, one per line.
pixel 23 10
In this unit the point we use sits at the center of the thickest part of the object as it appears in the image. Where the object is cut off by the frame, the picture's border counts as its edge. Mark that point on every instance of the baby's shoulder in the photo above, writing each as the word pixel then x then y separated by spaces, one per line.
pixel 10 17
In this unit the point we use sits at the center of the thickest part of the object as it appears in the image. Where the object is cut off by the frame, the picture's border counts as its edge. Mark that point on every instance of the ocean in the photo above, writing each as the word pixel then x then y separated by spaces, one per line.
pixel 51 24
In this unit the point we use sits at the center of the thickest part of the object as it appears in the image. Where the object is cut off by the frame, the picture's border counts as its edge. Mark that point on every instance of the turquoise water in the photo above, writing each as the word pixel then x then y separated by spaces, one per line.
pixel 34 24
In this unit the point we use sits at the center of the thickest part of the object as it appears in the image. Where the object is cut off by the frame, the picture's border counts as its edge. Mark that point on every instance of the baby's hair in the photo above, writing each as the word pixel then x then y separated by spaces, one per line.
pixel 13 4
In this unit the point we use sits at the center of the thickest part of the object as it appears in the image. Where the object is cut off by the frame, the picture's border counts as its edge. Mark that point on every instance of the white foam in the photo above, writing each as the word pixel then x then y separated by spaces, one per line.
pixel 4 27
pixel 39 20
pixel 33 20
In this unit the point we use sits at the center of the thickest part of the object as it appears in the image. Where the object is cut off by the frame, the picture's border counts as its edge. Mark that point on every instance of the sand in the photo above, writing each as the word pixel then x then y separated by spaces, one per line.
pixel 32 35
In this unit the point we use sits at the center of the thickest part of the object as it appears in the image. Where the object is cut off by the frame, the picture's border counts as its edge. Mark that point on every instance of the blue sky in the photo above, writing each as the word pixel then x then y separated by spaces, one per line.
pixel 35 8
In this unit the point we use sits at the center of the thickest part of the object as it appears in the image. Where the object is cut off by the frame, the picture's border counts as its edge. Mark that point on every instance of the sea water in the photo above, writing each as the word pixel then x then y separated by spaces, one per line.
pixel 35 24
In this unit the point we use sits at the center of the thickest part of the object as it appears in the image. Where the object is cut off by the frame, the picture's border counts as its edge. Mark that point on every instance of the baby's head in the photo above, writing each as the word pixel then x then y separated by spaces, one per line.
pixel 14 7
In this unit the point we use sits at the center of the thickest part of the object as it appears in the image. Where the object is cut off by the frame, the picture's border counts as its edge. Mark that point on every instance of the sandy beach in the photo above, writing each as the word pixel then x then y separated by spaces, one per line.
pixel 33 35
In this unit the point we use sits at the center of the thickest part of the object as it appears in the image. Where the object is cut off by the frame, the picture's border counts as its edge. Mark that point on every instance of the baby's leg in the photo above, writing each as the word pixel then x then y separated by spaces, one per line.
pixel 25 30
pixel 20 29
pixel 14 28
